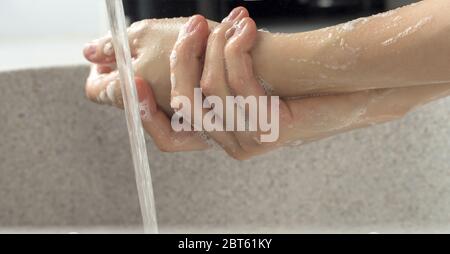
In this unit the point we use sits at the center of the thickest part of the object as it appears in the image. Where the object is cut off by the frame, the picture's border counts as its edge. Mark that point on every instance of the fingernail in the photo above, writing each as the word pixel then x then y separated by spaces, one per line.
pixel 230 33
pixel 192 24
pixel 241 24
pixel 90 50
pixel 108 49
pixel 233 15
pixel 240 27
pixel 188 28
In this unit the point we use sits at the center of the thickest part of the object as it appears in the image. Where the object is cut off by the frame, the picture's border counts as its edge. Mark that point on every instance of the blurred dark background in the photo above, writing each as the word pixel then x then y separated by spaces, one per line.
pixel 217 9
pixel 282 15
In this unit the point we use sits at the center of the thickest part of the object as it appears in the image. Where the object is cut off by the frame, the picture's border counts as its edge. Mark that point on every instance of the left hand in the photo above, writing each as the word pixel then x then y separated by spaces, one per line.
pixel 227 70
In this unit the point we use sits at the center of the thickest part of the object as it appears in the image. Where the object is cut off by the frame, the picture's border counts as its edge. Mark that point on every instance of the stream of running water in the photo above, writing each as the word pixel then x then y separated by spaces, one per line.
pixel 119 34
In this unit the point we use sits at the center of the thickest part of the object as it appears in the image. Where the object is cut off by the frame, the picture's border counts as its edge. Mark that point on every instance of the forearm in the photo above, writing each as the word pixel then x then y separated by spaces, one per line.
pixel 406 47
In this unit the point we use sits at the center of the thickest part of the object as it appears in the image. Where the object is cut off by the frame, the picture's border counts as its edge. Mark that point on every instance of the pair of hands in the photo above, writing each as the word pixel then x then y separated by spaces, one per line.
pixel 220 62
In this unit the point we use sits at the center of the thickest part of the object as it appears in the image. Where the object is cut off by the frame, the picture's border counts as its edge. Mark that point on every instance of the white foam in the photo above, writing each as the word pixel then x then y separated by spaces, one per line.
pixel 173 59
pixel 173 80
pixel 108 49
pixel 408 31
pixel 398 18
pixel 334 67
pixel 144 108
pixel 386 14
pixel 351 25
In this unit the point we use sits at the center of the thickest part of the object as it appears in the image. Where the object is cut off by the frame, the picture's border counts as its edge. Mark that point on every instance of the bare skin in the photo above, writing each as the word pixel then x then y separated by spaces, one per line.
pixel 308 119
pixel 301 120
pixel 358 55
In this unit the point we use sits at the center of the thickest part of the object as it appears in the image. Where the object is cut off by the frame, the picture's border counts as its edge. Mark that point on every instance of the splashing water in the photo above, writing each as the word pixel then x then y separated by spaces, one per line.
pixel 136 133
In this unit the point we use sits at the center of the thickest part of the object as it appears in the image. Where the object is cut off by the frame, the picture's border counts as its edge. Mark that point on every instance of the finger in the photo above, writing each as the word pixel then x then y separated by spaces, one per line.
pixel 185 64
pixel 186 70
pixel 239 62
pixel 158 126
pixel 213 78
pixel 236 14
pixel 245 85
pixel 104 88
pixel 101 51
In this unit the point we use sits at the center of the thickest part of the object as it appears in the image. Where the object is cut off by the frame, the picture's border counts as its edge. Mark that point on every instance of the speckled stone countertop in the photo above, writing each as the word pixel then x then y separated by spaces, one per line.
pixel 65 164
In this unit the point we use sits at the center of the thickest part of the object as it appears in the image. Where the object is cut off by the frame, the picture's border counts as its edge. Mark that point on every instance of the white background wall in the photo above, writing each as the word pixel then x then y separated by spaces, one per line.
pixel 39 18
pixel 35 33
